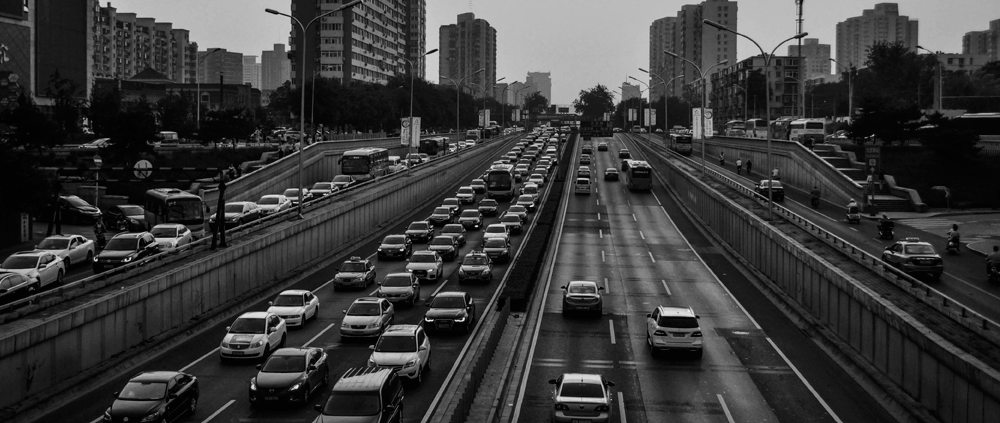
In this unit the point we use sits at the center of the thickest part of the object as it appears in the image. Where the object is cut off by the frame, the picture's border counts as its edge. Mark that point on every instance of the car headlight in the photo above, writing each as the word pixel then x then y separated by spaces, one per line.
pixel 410 363
pixel 95 259
pixel 428 319
pixel 374 325
pixel 461 272
pixel 371 362
pixel 107 414
pixel 257 344
pixel 253 384
pixel 224 344
pixel 152 417
pixel 409 270
pixel 127 259
pixel 402 248
pixel 344 324
pixel 460 319
pixel 295 386
pixel 380 249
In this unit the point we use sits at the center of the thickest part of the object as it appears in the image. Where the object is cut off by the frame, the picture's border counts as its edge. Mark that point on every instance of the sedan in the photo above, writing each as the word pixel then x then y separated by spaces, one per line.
pixel 528 201
pixel 488 207
pixel 455 230
pixel 125 248
pixel 537 179
pixel 497 230
pixel 253 335
pixel 236 214
pixel 292 194
pixel 290 375
pixel 602 146
pixel 582 296
pixel 171 236
pixel 512 222
pixel 274 204
pixel 466 195
pixel 158 396
pixel 320 189
pixel 470 219
pixel 585 159
pixel 296 306
pixel 445 245
pixel 479 186
pixel 420 231
pixel 75 209
pixel 72 249
pixel 14 286
pixel 343 182
pixel 581 397
pixel 399 287
pixel 777 190
pixel 441 216
pixel 395 246
pixel 449 311
pixel 624 154
pixel 520 211
pixel 497 249
pixel 610 174
pixel 454 204
pixel 41 268
pixel 125 217
pixel 426 265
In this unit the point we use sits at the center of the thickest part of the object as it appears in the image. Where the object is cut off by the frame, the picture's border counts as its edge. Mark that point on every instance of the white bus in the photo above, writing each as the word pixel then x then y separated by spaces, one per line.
pixel 171 205
pixel 365 163
pixel 500 182
pixel 807 131
pixel 638 175
pixel 755 128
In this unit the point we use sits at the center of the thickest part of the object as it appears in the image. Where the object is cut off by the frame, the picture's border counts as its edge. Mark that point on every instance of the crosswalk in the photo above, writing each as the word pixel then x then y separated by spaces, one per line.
pixel 931 224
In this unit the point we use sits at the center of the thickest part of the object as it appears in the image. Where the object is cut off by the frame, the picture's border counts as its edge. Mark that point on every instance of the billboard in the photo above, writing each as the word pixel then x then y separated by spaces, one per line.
pixel 484 118
pixel 409 135
pixel 696 123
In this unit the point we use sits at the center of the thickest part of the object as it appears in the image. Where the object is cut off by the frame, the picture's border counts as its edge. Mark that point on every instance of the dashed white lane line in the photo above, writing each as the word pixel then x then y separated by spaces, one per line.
pixel 598 216
pixel 804 381
pixel 607 288
pixel 633 218
pixel 318 335
pixel 601 233
pixel 651 256
pixel 602 255
pixel 621 406
pixel 855 230
pixel 611 325
pixel 185 368
pixel 629 202
pixel 666 288
pixel 722 401
pixel 598 201
pixel 219 411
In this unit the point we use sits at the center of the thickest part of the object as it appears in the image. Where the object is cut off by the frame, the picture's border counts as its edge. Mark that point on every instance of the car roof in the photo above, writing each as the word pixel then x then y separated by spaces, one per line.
pixel 424 252
pixel 912 241
pixel 33 253
pixel 363 379
pixel 400 330
pixel 239 202
pixel 396 274
pixel 363 300
pixel 293 292
pixel 582 283
pixel 582 378
pixel 254 315
pixel 460 294
pixel 129 235
pixel 457 225
pixel 155 376
pixel 293 352
pixel 168 225
pixel 676 311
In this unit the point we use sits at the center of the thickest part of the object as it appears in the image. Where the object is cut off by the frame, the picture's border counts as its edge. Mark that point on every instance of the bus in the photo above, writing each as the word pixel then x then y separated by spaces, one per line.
pixel 433 146
pixel 781 127
pixel 638 175
pixel 735 128
pixel 807 131
pixel 171 205
pixel 500 181
pixel 680 143
pixel 365 164
pixel 755 128
pixel 979 123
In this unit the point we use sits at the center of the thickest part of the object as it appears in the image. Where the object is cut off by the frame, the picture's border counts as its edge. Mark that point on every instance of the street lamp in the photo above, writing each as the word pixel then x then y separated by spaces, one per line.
pixel 767 95
pixel 704 99
pixel 517 94
pixel 503 103
pixel 850 92
pixel 666 130
pixel 458 92
pixel 622 108
pixel 197 78
pixel 302 93
pixel 411 89
pixel 938 105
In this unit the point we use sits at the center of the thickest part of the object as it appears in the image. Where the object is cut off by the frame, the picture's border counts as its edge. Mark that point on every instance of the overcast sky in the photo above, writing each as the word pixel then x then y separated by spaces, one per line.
pixel 581 42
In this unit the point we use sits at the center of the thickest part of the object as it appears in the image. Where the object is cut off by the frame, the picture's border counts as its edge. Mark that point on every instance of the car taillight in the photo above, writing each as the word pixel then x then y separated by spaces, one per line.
pixel 562 406
pixel 601 408
pixel 660 333
pixel 696 335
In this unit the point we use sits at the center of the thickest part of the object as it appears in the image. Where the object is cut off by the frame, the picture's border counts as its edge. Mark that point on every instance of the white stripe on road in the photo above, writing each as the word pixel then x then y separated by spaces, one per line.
pixel 607 288
pixel 602 255
pixel 657 200
pixel 729 416
pixel 185 368
pixel 629 202
pixel 598 201
pixel 641 235
pixel 323 285
pixel 318 335
pixel 804 381
pixel 621 406
pixel 665 287
pixel 611 325
pixel 633 218
pixel 598 216
pixel 219 411
pixel 601 232
pixel 855 230
pixel 651 256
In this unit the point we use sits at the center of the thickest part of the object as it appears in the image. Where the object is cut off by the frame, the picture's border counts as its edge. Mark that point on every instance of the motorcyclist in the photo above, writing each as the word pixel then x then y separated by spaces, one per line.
pixel 885 223
pixel 99 233
pixel 815 194
pixel 993 259
pixel 953 235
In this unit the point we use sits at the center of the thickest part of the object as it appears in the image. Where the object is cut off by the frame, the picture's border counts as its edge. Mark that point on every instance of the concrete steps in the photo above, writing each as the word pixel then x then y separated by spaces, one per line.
pixel 839 160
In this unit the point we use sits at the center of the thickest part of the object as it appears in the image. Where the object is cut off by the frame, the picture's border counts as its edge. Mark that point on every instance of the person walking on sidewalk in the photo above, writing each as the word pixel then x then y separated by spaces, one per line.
pixel 749 166
pixel 739 166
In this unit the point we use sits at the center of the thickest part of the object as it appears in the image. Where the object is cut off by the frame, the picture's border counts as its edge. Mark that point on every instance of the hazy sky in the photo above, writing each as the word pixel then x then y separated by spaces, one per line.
pixel 581 42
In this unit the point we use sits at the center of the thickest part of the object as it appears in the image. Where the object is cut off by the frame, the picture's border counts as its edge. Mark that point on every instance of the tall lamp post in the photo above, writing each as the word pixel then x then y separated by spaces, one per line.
pixel 517 96
pixel 666 130
pixel 767 100
pixel 938 105
pixel 458 93
pixel 197 78
pixel 624 123
pixel 302 93
pixel 408 62
pixel 704 99
pixel 850 91
pixel 641 109
pixel 492 90
pixel 503 104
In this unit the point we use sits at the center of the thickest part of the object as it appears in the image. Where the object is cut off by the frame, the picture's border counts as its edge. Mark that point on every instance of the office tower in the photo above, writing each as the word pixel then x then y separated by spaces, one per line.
pixel 815 55
pixel 125 45
pixel 466 47
pixel 984 43
pixel 630 91
pixel 686 36
pixel 251 71
pixel 729 90
pixel 416 36
pixel 881 24
pixel 275 67
pixel 542 82
pixel 229 64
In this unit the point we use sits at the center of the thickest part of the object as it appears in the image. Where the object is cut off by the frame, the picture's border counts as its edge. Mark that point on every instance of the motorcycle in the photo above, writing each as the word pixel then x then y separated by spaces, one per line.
pixel 853 215
pixel 953 246
pixel 885 232
pixel 815 203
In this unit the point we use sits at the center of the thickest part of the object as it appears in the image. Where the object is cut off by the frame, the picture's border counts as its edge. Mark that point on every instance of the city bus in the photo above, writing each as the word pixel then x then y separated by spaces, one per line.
pixel 781 127
pixel 807 131
pixel 755 128
pixel 171 205
pixel 638 175
pixel 500 181
pixel 433 146
pixel 735 128
pixel 680 143
pixel 365 164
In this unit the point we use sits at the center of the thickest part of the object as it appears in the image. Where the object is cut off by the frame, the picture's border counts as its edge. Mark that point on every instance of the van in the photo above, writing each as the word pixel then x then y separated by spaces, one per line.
pixel 364 394
pixel 582 186
pixel 396 164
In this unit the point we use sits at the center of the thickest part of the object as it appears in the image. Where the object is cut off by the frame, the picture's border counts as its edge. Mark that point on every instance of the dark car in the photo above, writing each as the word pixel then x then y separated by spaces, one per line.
pixel 479 186
pixel 75 210
pixel 236 214
pixel 476 266
pixel 126 217
pixel 444 245
pixel 456 230
pixel 441 216
pixel 421 231
pixel 610 174
pixel 158 396
pixel 125 248
pixel 602 146
pixel 624 154
pixel 290 375
pixel 513 223
pixel 777 190
pixel 343 182
pixel 398 246
pixel 450 310
pixel 14 286
pixel 489 207
pixel 497 249
pixel 471 219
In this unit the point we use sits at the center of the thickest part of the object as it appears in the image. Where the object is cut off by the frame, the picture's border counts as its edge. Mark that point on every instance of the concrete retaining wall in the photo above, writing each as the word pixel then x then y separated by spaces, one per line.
pixel 947 382
pixel 38 354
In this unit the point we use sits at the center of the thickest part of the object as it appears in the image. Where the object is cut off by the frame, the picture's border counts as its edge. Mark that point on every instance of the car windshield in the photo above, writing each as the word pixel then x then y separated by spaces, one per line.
pixel 465 190
pixel 342 178
pixel 268 201
pixel 292 300
pixel 402 280
pixel 517 209
pixel 291 192
pixel 323 186
pixel 525 198
pixel 418 226
pixel 54 244
pixel 470 213
pixel 396 344
pixel 131 210
pixel 143 391
pixel 448 302
pixel 442 240
pixel 677 322
pixel 450 202
pixel 363 309
pixel 581 390
pixel 494 243
pixel 20 262
pixel 422 258
pixel 284 364
pixel 478 182
pixel 394 239
pixel 513 218
pixel 476 261
pixel 352 403
pixel 122 244
pixel 252 325
pixel 918 249
pixel 530 189
pixel 488 203
pixel 582 289
pixel 442 210
pixel 495 229
pixel 234 208
pixel 77 202
pixel 352 267
pixel 164 232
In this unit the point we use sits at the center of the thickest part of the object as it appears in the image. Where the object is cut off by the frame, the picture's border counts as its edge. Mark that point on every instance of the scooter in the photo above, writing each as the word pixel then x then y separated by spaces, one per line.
pixel 853 215
pixel 953 246
pixel 885 232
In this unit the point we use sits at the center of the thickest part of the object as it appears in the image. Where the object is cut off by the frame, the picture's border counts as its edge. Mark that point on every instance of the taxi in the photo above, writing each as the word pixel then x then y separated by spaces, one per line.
pixel 913 256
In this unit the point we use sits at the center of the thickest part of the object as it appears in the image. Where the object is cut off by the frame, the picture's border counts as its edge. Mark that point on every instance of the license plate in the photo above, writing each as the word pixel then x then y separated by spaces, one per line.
pixel 276 398
pixel 237 352
pixel 581 420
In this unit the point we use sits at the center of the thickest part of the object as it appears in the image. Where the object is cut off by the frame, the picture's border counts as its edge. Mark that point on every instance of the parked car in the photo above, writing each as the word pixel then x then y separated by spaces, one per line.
pixel 450 310
pixel 71 249
pixel 290 375
pixel 295 306
pixel 395 246
pixel 426 264
pixel 125 217
pixel 236 213
pixel 171 236
pixel 42 268
pixel 367 317
pixel 253 335
pixel 125 248
pixel 155 396
pixel 274 204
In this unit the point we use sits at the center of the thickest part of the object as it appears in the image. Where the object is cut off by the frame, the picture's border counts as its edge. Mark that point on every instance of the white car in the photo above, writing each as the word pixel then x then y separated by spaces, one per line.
pixel 367 317
pixel 296 306
pixel 537 179
pixel 582 397
pixel 41 266
pixel 674 328
pixel 496 230
pixel 171 236
pixel 403 347
pixel 253 335
pixel 466 195
pixel 426 264
pixel 72 249
pixel 274 203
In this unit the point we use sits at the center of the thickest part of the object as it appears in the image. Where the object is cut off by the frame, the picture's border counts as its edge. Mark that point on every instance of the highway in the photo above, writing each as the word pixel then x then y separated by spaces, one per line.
pixel 224 385
pixel 757 365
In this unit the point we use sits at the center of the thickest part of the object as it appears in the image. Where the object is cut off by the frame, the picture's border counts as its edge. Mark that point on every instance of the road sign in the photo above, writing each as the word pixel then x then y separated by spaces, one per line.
pixel 97 161
pixel 143 168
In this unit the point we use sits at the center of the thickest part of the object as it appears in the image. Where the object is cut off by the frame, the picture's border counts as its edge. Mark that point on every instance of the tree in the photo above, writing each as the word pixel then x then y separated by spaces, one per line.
pixel 105 106
pixel 32 189
pixel 132 131
pixel 536 103
pixel 176 112
pixel 31 128
pixel 66 107
pixel 881 120
pixel 594 103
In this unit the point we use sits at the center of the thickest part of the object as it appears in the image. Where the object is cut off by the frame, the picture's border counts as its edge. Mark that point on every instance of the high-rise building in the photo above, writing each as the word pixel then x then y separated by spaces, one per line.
pixel 686 36
pixel 275 68
pixel 125 45
pixel 500 91
pixel 986 43
pixel 541 82
pixel 416 36
pixel 251 71
pixel 816 57
pixel 516 92
pixel 229 64
pixel 630 91
pixel 62 41
pixel 186 57
pixel 465 47
pixel 881 24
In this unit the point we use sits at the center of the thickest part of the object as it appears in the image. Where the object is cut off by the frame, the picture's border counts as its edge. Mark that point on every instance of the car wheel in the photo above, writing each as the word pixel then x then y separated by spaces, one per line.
pixel 59 278
pixel 282 343
pixel 649 343
pixel 192 407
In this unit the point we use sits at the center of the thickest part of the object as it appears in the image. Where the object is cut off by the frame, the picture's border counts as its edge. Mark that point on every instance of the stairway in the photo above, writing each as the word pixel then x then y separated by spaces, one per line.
pixel 884 200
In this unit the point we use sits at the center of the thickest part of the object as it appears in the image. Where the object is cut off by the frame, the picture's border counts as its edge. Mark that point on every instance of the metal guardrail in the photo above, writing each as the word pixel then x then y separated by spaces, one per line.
pixel 919 290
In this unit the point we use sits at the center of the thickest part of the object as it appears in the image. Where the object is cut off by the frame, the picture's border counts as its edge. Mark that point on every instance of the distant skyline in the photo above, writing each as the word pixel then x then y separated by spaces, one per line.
pixel 608 42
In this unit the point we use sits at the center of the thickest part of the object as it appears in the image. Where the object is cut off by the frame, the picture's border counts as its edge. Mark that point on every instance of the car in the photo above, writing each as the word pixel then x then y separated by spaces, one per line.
pixel 125 248
pixel 236 213
pixel 587 149
pixel 582 296
pixel 583 172
pixel 424 157
pixel 426 265
pixel 74 209
pixel 624 154
pixel 582 186
pixel 543 170
pixel 414 159
pixel 582 397
pixel 155 396
pixel 450 310
pixel 477 266
pixel 274 204
pixel 14 286
pixel 364 394
pixel 585 159
pixel 295 306
pixel 72 249
pixel 456 230
pixel 356 272
pixel 253 335
pixel 441 216
pixel 602 146
pixel 521 172
pixel 777 190
pixel 496 230
pixel 532 190
pixel 469 219
pixel 445 245
pixel 367 317
pixel 454 204
pixel 479 185
pixel 98 143
pixel 520 211
pixel 913 256
pixel 489 207
pixel 320 189
pixel 537 179
pixel 404 348
pixel 673 328
pixel 420 231
pixel 529 201
pixel 343 182
pixel 512 222
pixel 395 246
pixel 292 194
pixel 399 287
pixel 41 268
pixel 171 236
pixel 610 174
pixel 551 149
pixel 290 375
pixel 125 217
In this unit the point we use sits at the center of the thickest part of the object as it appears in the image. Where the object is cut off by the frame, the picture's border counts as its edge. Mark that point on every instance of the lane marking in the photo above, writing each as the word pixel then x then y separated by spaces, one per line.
pixel 658 203
pixel 601 232
pixel 633 218
pixel 855 230
pixel 621 406
pixel 602 255
pixel 629 202
pixel 804 381
pixel 323 285
pixel 641 235
pixel 596 190
pixel 598 201
pixel 319 334
pixel 611 325
pixel 607 288
pixel 185 368
pixel 667 288
pixel 598 215
pixel 972 286
pixel 651 256
pixel 219 411
pixel 729 416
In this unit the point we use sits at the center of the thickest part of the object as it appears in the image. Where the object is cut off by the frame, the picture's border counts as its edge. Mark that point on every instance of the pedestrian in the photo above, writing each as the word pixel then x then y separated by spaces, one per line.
pixel 739 166
pixel 881 179
pixel 749 166
pixel 774 174
pixel 722 158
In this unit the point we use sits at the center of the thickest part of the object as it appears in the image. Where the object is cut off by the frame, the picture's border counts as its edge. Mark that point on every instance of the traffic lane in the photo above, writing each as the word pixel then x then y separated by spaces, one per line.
pixel 204 345
pixel 838 390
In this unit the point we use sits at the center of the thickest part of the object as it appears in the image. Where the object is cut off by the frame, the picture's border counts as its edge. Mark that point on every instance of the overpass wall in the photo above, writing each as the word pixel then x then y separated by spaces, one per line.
pixel 930 372
pixel 38 357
